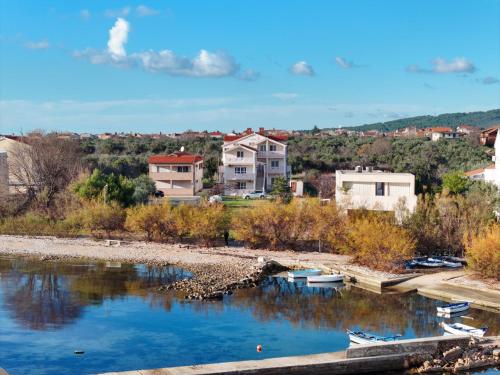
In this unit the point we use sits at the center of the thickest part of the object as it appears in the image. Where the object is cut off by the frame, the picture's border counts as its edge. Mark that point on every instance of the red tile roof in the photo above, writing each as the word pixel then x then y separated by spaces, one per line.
pixel 441 130
pixel 230 138
pixel 479 170
pixel 175 158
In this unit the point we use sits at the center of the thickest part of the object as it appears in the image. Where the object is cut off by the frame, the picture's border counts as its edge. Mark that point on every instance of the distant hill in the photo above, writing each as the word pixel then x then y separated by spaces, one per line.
pixel 479 119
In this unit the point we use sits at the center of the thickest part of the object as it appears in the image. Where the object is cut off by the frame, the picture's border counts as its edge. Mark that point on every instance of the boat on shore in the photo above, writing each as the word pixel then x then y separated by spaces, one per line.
pixel 325 278
pixel 453 308
pixel 360 337
pixel 462 329
pixel 303 274
pixel 446 263
pixel 435 262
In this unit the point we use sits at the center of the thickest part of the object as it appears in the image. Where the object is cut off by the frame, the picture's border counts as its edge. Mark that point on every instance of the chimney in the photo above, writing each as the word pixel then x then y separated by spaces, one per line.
pixel 261 131
pixel 358 169
pixel 249 131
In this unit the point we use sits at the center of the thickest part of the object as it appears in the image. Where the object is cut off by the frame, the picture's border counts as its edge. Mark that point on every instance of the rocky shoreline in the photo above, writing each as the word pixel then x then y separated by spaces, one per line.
pixel 480 353
pixel 213 281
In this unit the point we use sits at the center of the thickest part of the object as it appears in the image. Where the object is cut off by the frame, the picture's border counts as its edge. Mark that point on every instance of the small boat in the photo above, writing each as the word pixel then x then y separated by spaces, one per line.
pixel 429 263
pixel 462 329
pixel 325 278
pixel 446 263
pixel 336 285
pixel 454 307
pixel 360 337
pixel 302 274
pixel 452 315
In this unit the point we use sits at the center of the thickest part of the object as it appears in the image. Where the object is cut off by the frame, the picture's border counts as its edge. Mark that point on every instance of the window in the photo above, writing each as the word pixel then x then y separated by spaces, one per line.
pixel 158 168
pixel 240 170
pixel 262 147
pixel 379 188
pixel 275 163
pixel 240 154
pixel 272 147
pixel 183 169
pixel 241 185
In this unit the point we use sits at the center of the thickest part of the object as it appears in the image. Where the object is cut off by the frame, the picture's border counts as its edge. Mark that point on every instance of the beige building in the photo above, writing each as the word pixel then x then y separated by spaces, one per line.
pixel 375 190
pixel 179 174
pixel 252 160
pixel 13 149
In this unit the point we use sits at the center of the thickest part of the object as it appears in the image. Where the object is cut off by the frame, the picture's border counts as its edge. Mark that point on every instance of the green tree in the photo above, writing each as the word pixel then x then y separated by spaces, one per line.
pixel 456 182
pixel 144 187
pixel 281 189
pixel 107 188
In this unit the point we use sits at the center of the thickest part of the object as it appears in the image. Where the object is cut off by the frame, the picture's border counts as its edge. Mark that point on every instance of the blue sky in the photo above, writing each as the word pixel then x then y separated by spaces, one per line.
pixel 94 66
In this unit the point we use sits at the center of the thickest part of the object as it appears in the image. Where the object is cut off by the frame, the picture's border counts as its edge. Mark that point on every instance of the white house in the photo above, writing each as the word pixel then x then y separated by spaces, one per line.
pixel 491 173
pixel 252 160
pixel 375 190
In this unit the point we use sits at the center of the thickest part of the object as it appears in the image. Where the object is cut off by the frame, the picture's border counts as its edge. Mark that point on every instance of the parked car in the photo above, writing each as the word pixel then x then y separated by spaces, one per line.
pixel 257 194
pixel 159 194
pixel 215 198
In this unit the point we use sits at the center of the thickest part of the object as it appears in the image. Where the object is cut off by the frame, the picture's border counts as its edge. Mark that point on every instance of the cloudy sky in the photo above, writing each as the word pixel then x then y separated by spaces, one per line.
pixel 231 64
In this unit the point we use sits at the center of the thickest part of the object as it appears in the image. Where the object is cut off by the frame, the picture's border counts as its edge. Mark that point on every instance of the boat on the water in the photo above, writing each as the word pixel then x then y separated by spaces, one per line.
pixel 360 337
pixel 325 278
pixel 335 285
pixel 454 307
pixel 302 274
pixel 462 329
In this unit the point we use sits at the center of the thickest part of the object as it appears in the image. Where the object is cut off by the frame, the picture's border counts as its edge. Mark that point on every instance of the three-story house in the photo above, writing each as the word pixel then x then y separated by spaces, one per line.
pixel 252 160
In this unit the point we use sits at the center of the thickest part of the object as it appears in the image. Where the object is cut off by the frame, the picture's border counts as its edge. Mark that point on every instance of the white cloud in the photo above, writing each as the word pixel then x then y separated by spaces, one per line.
pixel 345 64
pixel 118 36
pixel 42 44
pixel 285 95
pixel 489 80
pixel 145 11
pixel 122 12
pixel 302 68
pixel 204 64
pixel 85 14
pixel 441 66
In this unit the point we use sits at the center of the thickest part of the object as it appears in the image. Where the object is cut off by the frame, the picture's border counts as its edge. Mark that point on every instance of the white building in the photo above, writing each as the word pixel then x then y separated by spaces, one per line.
pixel 491 173
pixel 375 190
pixel 4 173
pixel 251 161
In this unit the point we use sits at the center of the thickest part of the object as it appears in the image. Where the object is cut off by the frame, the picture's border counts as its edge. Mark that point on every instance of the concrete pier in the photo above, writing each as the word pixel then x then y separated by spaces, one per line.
pixel 373 358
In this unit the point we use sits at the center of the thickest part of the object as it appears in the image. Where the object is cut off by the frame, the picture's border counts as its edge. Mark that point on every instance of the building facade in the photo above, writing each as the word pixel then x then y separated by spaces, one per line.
pixel 375 190
pixel 252 160
pixel 179 174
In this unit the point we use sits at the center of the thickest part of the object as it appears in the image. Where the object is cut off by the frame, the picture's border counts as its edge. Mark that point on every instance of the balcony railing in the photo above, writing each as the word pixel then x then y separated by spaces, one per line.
pixel 165 176
pixel 271 154
pixel 229 159
pixel 239 176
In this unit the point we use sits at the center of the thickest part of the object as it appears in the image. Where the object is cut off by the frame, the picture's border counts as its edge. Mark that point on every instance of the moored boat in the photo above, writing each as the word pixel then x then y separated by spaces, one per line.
pixel 462 329
pixel 325 278
pixel 453 307
pixel 446 263
pixel 302 274
pixel 360 337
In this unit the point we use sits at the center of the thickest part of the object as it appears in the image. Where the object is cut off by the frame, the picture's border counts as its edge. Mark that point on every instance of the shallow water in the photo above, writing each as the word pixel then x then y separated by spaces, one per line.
pixel 114 314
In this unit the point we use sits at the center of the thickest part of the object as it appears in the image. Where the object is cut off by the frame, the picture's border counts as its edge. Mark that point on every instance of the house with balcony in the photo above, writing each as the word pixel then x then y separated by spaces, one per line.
pixel 375 190
pixel 178 174
pixel 253 160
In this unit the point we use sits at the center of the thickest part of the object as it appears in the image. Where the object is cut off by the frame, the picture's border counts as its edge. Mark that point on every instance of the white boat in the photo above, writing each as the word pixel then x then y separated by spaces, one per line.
pixel 325 278
pixel 302 274
pixel 454 307
pixel 337 286
pixel 462 329
pixel 360 337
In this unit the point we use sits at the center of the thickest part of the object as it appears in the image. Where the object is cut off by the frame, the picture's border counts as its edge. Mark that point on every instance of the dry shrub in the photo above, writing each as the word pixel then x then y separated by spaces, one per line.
pixel 98 217
pixel 32 224
pixel 483 252
pixel 155 221
pixel 380 244
pixel 208 223
pixel 183 216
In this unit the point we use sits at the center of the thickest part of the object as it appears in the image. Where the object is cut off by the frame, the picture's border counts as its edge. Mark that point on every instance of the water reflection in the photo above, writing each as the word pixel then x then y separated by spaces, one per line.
pixel 353 308
pixel 49 295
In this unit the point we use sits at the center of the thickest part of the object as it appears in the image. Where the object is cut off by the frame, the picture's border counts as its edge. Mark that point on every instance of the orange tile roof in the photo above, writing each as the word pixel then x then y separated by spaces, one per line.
pixel 175 158
pixel 441 129
pixel 479 170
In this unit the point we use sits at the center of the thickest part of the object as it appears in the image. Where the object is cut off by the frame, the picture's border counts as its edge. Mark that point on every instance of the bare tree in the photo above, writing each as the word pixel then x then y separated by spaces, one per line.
pixel 44 165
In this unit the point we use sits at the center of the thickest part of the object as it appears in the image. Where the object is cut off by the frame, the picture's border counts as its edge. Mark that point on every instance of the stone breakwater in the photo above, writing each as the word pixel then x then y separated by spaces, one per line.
pixel 213 281
pixel 480 353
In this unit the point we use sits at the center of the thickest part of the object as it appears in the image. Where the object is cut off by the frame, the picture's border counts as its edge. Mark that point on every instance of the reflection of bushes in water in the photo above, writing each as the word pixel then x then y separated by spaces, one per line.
pixel 45 294
pixel 347 308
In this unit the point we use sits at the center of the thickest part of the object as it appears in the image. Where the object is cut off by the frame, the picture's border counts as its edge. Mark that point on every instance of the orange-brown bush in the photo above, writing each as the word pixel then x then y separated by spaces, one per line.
pixel 208 223
pixel 379 244
pixel 155 221
pixel 483 252
pixel 98 217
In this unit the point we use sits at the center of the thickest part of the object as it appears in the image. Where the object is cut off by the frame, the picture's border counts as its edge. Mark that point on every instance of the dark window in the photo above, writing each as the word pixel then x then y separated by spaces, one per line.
pixel 239 154
pixel 379 188
pixel 272 147
pixel 183 169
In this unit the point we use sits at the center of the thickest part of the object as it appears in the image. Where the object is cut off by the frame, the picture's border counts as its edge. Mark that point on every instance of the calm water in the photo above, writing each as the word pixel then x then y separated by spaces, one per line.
pixel 113 312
